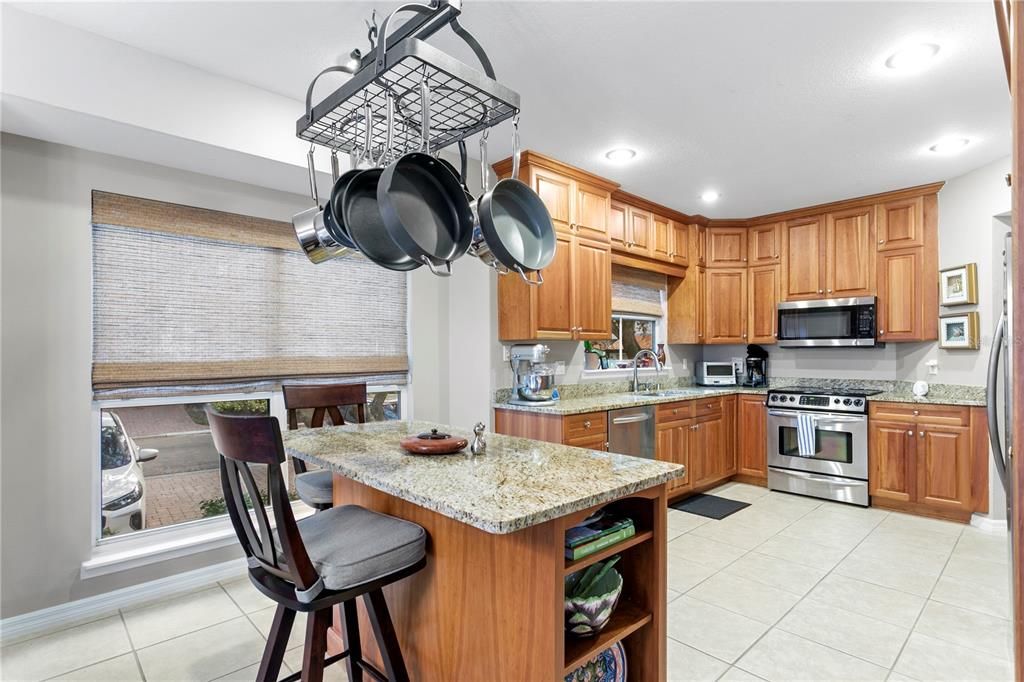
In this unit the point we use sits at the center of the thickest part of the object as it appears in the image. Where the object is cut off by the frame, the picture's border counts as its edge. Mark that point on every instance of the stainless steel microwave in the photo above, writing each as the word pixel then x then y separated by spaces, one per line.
pixel 830 322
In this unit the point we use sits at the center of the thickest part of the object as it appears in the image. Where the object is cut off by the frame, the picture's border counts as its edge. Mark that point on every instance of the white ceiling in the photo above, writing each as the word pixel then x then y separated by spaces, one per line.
pixel 776 104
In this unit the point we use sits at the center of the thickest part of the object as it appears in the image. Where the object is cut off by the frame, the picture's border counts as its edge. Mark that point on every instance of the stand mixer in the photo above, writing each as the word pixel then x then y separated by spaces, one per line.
pixel 532 381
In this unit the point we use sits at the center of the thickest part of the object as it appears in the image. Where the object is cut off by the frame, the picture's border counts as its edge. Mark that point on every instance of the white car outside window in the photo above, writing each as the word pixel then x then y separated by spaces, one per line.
pixel 123 489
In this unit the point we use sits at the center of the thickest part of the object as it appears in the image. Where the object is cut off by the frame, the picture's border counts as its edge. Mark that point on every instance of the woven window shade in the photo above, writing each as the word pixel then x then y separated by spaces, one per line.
pixel 637 291
pixel 191 296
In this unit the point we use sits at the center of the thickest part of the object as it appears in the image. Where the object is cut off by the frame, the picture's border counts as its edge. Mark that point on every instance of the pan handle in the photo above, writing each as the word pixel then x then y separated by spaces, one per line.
pixel 515 147
pixel 367 152
pixel 312 177
pixel 424 114
pixel 447 272
pixel 532 283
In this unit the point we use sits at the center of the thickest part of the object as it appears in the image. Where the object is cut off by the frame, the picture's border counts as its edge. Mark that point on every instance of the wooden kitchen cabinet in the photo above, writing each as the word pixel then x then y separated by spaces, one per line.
pixel 902 313
pixel 574 302
pixel 639 232
pixel 901 223
pixel 764 243
pixel 725 305
pixel 588 430
pixel 661 238
pixel 849 253
pixel 672 445
pixel 618 216
pixel 802 276
pixel 555 190
pixel 680 253
pixel 751 437
pixel 709 451
pixel 686 309
pixel 928 459
pixel 763 291
pixel 726 247
pixel 590 211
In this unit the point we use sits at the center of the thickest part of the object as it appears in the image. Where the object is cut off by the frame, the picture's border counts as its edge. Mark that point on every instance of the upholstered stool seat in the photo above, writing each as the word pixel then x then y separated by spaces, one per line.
pixel 315 488
pixel 351 545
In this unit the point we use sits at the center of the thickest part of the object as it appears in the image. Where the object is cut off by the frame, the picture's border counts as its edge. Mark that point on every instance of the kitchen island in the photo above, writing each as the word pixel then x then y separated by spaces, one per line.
pixel 489 604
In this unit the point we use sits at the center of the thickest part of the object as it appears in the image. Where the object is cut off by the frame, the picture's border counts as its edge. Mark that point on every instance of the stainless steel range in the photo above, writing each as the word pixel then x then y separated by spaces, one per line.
pixel 818 442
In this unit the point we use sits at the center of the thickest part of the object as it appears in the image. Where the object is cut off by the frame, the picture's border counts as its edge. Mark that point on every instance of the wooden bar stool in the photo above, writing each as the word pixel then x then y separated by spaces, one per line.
pixel 316 488
pixel 326 559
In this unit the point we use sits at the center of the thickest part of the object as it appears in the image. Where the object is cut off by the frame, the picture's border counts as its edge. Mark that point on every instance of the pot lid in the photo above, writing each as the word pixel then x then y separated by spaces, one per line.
pixel 434 435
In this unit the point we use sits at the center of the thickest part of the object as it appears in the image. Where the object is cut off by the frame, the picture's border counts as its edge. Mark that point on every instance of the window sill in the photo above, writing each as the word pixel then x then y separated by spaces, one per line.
pixel 123 554
pixel 595 374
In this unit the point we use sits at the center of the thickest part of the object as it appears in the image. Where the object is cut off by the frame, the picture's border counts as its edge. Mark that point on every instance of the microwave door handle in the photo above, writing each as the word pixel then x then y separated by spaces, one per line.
pixel 994 437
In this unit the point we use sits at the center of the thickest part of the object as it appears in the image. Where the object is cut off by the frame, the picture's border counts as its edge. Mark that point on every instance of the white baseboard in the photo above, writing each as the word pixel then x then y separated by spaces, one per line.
pixel 97 606
pixel 988 524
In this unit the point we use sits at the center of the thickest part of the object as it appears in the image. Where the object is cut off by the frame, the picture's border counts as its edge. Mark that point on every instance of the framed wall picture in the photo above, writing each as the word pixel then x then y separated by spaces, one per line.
pixel 959 331
pixel 959 285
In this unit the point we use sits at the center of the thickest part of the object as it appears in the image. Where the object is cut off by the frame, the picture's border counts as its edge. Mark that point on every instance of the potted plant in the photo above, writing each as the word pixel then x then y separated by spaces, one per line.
pixel 590 597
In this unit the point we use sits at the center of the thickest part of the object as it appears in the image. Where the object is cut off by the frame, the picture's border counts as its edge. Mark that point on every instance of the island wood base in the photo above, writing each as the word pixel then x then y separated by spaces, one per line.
pixel 490 607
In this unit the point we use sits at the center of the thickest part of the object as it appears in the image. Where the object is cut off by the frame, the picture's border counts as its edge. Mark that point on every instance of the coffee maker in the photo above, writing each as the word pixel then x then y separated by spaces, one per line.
pixel 533 382
pixel 756 365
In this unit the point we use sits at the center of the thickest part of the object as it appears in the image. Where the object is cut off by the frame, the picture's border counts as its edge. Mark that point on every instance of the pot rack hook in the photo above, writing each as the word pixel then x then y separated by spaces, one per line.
pixel 485 179
pixel 371 30
pixel 312 175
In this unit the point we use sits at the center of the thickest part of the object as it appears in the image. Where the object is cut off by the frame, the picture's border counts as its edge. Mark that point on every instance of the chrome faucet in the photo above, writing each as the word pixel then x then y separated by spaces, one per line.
pixel 657 368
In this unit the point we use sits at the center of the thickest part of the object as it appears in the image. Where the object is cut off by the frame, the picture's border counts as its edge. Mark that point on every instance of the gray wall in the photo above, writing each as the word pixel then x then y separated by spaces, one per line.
pixel 45 415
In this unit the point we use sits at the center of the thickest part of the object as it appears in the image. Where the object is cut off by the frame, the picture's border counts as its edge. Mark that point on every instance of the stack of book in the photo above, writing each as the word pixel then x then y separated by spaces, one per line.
pixel 597 532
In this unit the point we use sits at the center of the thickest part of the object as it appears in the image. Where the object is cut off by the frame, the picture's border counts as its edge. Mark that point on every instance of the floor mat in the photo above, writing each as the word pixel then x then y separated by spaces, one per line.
pixel 710 506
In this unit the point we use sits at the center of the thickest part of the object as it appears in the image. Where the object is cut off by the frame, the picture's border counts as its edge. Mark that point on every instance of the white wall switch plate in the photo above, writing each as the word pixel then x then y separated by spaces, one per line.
pixel 505 354
pixel 559 368
pixel 737 365
pixel 933 366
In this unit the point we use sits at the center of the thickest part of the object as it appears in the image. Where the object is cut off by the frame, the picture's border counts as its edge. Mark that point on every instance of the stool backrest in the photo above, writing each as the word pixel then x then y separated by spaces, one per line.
pixel 244 441
pixel 324 400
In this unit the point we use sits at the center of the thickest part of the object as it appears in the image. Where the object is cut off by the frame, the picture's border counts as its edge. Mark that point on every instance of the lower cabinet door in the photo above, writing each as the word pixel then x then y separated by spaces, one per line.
pixel 891 462
pixel 751 437
pixel 944 467
pixel 671 446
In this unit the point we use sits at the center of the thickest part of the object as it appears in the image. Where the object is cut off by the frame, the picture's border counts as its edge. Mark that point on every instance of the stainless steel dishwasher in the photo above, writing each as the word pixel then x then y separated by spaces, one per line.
pixel 631 431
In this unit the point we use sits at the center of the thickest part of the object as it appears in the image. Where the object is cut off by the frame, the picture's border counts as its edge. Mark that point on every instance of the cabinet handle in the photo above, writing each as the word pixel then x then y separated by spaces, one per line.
pixel 586 424
pixel 881 331
pixel 916 413
pixel 881 241
pixel 910 433
pixel 920 434
pixel 820 291
pixel 830 291
pixel 744 260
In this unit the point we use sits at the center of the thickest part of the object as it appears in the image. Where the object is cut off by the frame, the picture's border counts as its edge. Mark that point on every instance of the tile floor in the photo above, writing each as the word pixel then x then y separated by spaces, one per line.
pixel 789 588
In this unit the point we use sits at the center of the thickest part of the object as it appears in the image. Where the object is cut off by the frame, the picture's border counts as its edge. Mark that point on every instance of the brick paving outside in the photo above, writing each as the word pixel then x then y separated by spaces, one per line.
pixel 175 498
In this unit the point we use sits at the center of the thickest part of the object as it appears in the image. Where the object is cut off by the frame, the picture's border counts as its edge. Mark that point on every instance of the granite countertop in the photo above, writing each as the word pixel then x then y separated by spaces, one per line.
pixel 614 401
pixel 897 392
pixel 518 483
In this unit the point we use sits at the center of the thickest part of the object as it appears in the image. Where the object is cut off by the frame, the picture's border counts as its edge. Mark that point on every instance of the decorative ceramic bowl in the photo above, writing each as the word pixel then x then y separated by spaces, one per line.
pixel 586 616
pixel 607 666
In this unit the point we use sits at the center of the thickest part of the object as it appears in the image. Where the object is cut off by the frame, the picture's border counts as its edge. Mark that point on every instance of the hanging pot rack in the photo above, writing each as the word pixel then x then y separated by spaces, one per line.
pixel 465 101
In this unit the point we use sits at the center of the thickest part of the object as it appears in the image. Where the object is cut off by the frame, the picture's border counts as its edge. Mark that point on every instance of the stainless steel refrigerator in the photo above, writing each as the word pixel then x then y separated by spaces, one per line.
pixel 999 389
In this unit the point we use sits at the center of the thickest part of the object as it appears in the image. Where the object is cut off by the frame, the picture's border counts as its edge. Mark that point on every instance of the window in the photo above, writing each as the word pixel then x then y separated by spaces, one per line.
pixel 631 333
pixel 158 466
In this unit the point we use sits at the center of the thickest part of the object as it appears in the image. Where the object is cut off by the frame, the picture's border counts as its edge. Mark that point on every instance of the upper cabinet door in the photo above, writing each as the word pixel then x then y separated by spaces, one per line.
pixel 552 300
pixel 762 302
pixel 661 239
pixel 900 298
pixel 556 191
pixel 618 215
pixel 801 264
pixel 727 247
pixel 849 256
pixel 592 289
pixel 764 243
pixel 639 233
pixel 680 254
pixel 725 305
pixel 590 214
pixel 900 224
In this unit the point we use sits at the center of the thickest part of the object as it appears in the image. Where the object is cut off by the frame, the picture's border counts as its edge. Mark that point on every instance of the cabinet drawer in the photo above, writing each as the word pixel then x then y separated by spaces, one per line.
pixel 673 412
pixel 589 442
pixel 707 406
pixel 590 425
pixel 939 415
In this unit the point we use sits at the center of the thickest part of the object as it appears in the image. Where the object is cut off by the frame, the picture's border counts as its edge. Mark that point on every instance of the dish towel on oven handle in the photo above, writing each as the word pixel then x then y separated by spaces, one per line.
pixel 805 435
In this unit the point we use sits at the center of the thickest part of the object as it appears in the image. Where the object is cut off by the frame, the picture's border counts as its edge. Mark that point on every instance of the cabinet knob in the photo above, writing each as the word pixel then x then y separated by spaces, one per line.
pixel 830 291
pixel 910 433
pixel 820 291
pixel 744 260
pixel 920 434
pixel 881 331
pixel 586 424
pixel 881 241
pixel 916 413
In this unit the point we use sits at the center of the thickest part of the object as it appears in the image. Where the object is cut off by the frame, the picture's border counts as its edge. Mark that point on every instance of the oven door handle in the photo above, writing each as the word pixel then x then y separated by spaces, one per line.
pixel 812 477
pixel 819 419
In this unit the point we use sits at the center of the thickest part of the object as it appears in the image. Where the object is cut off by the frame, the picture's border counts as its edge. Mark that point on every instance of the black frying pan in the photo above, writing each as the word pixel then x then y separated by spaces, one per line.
pixel 365 225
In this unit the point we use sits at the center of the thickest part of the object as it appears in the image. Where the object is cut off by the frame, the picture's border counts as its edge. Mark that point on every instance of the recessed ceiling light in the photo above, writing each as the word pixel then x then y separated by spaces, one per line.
pixel 710 196
pixel 620 154
pixel 912 57
pixel 949 145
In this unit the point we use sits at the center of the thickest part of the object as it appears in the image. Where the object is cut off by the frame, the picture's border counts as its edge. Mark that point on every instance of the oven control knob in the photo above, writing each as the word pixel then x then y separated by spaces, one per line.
pixel 847 401
pixel 835 400
pixel 858 402
pixel 792 398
